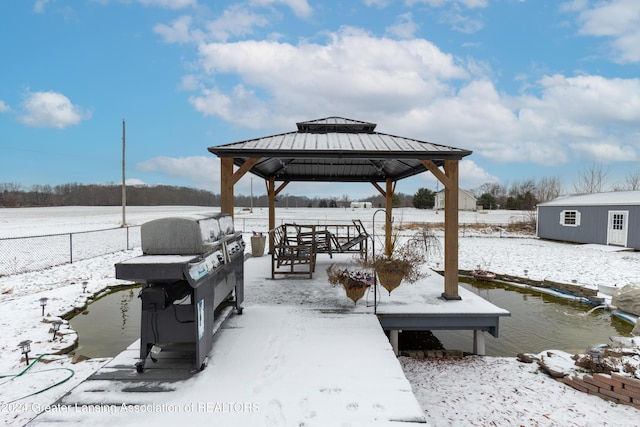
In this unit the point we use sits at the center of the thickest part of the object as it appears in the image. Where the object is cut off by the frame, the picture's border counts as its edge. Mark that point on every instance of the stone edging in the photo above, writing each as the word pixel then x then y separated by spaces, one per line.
pixel 615 387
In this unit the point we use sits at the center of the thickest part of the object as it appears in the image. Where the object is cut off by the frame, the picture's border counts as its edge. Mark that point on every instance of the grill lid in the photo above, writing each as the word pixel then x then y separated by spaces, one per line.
pixel 184 235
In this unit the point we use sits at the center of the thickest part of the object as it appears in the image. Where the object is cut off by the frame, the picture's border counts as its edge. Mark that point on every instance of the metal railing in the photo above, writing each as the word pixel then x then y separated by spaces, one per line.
pixel 26 254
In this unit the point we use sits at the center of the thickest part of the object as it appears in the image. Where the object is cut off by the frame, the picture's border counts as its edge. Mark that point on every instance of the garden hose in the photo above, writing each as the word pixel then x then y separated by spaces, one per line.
pixel 24 371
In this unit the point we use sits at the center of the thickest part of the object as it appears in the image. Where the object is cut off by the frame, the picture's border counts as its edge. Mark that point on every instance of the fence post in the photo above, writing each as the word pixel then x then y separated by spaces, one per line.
pixel 71 248
pixel 127 248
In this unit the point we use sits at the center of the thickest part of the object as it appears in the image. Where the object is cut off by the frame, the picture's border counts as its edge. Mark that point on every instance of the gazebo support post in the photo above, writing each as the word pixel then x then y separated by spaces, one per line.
pixel 272 192
pixel 450 181
pixel 451 231
pixel 388 197
pixel 226 185
pixel 271 195
pixel 387 221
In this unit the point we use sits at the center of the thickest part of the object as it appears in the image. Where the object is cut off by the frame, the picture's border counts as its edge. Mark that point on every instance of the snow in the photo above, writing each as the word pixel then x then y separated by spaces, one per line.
pixel 468 391
pixel 614 198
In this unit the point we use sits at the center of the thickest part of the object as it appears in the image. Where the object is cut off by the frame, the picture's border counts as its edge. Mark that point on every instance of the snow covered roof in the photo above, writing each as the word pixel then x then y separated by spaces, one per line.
pixel 597 199
pixel 336 149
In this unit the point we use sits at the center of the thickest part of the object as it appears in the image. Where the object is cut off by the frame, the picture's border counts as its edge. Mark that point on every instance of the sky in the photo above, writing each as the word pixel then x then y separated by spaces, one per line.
pixel 536 89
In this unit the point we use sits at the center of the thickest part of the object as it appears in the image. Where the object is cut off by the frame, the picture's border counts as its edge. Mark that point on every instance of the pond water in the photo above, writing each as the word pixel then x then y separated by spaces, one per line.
pixel 538 322
pixel 109 324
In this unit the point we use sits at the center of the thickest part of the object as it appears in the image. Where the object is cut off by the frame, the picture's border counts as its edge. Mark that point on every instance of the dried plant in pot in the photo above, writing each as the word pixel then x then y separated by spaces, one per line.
pixel 404 264
pixel 355 283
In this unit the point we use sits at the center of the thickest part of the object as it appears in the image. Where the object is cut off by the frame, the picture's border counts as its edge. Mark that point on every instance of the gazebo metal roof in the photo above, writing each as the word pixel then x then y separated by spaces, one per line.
pixel 335 149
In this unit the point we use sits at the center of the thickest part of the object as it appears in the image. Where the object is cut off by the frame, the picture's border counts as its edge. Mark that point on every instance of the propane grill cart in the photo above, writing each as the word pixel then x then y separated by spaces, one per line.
pixel 191 268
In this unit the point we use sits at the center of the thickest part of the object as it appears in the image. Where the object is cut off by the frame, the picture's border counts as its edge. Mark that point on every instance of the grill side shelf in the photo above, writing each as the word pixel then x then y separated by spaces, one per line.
pixel 149 268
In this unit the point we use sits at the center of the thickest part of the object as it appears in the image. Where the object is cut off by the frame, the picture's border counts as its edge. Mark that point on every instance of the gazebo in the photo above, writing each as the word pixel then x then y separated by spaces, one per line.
pixel 336 149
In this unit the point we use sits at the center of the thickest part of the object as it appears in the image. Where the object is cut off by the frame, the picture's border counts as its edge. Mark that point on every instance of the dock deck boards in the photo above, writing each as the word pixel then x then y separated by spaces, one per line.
pixel 301 354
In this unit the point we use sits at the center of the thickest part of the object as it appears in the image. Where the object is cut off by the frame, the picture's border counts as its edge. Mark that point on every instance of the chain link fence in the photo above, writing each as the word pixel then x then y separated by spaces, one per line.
pixel 25 254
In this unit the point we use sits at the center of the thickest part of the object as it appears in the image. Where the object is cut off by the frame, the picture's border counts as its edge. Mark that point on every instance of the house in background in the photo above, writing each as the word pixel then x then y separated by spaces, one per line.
pixel 466 200
pixel 603 218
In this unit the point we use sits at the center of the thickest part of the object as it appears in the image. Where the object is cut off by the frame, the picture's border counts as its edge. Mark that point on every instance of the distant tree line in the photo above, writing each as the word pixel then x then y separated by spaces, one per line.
pixel 527 194
pixel 13 195
pixel 521 195
pixel 74 194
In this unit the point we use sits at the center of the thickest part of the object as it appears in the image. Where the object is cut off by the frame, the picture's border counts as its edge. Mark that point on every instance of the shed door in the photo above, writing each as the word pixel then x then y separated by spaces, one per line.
pixel 617 234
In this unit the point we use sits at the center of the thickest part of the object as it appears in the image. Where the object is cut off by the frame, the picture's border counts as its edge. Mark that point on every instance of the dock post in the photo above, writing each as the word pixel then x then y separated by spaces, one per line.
pixel 393 338
pixel 478 342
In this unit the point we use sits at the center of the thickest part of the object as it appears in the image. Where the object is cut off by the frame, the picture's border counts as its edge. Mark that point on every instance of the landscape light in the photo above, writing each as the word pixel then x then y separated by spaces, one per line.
pixel 43 303
pixel 56 327
pixel 25 348
pixel 84 287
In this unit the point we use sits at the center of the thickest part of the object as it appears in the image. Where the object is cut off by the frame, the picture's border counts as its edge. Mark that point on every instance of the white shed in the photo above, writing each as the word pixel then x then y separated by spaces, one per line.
pixel 361 205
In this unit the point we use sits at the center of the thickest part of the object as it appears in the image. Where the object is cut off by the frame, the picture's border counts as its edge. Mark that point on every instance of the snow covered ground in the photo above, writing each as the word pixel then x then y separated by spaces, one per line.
pixel 472 391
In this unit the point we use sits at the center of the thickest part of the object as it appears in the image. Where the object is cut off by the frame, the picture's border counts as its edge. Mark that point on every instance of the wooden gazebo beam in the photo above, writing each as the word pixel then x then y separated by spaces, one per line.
pixel 228 179
pixel 388 197
pixel 272 192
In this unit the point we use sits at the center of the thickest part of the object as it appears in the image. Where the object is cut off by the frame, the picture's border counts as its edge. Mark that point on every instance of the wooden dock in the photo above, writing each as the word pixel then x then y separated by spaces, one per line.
pixel 301 354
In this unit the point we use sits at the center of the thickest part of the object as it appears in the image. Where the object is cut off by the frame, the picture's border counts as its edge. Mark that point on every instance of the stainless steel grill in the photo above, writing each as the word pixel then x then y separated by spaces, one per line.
pixel 191 268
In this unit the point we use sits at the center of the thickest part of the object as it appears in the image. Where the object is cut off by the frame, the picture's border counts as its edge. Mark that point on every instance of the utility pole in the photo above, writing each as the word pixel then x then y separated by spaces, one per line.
pixel 124 186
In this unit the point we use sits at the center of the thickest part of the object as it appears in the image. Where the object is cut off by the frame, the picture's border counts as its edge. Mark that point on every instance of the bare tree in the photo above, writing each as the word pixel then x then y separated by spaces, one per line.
pixel 499 192
pixel 631 182
pixel 548 189
pixel 591 179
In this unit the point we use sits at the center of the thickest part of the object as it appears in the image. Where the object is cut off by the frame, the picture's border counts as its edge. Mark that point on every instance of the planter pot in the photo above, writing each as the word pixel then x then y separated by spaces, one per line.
pixel 355 289
pixel 389 278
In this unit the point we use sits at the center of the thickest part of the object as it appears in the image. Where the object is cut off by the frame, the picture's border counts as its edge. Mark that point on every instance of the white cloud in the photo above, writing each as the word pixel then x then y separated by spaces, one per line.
pixel 456 13
pixel 617 20
pixel 39 5
pixel 593 100
pixel 471 4
pixel 607 152
pixel 4 107
pixel 203 172
pixel 179 31
pixel 242 106
pixel 300 8
pixel 460 22
pixel 352 70
pixel 377 3
pixel 405 28
pixel 235 21
pixel 473 176
pixel 169 4
pixel 50 109
pixel 423 93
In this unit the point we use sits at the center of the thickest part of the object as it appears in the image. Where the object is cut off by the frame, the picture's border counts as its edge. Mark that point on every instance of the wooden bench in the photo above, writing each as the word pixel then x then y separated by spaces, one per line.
pixel 294 247
pixel 347 237
pixel 293 251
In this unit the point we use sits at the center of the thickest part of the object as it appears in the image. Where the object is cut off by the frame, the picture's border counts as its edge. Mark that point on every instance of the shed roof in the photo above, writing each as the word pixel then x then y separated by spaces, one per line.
pixel 617 198
pixel 337 149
